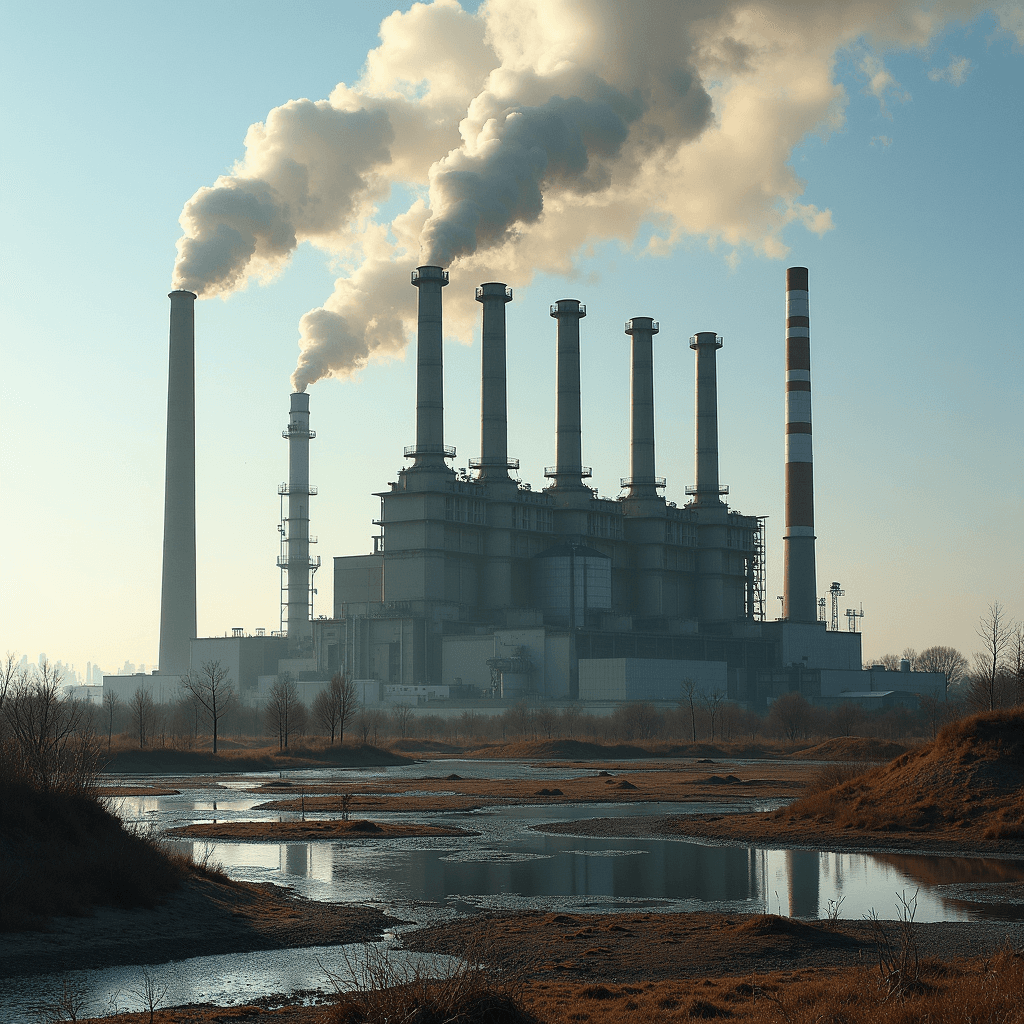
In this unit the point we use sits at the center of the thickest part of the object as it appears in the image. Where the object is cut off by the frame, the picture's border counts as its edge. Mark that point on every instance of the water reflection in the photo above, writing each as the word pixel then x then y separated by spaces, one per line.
pixel 233 978
pixel 554 872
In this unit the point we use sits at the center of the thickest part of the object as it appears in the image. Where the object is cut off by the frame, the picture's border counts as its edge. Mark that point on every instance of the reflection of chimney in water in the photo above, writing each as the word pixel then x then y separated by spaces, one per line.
pixel 429 450
pixel 799 587
pixel 178 585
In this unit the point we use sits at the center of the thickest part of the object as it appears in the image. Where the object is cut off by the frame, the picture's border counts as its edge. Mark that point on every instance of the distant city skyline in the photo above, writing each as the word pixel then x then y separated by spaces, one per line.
pixel 890 170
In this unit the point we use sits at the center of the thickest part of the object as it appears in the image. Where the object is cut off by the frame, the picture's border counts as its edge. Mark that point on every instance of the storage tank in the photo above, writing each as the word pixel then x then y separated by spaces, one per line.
pixel 570 580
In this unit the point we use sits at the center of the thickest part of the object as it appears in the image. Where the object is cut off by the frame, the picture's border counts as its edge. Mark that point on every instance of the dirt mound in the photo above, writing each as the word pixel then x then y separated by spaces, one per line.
pixel 412 745
pixel 772 924
pixel 851 748
pixel 970 778
pixel 577 750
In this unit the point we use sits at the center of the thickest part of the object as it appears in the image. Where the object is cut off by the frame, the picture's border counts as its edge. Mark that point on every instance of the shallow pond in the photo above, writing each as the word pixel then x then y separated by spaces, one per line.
pixel 510 865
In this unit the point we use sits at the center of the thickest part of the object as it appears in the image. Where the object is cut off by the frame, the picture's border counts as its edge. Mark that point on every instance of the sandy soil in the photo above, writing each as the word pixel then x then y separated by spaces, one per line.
pixel 310 831
pixel 707 782
pixel 202 918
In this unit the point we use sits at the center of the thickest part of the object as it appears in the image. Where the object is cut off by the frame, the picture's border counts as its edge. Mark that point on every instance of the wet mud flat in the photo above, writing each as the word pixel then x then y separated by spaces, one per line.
pixel 202 918
pixel 625 948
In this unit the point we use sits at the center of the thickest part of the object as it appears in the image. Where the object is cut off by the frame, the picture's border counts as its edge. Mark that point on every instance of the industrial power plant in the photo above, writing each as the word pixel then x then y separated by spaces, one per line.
pixel 482 590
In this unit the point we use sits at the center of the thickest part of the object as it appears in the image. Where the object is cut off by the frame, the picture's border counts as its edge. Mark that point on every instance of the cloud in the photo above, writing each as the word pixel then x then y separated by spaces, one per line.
pixel 956 74
pixel 881 82
pixel 881 140
pixel 530 130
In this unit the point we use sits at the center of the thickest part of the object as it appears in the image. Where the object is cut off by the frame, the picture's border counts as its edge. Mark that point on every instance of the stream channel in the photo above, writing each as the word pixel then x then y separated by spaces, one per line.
pixel 508 866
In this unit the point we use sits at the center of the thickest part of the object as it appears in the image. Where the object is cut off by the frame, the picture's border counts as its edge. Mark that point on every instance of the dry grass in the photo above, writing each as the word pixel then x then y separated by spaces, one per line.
pixel 638 784
pixel 970 778
pixel 63 854
pixel 966 993
pixel 310 831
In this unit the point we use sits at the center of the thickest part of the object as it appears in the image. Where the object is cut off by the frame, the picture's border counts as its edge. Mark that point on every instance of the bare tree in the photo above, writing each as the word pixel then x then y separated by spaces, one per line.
pixel 571 716
pixel 334 708
pixel 844 719
pixel 909 654
pixel 212 688
pixel 790 714
pixel 690 701
pixel 996 632
pixel 547 719
pixel 890 662
pixel 947 660
pixel 111 706
pixel 1017 663
pixel 713 704
pixel 401 717
pixel 142 712
pixel 11 675
pixel 280 709
pixel 53 737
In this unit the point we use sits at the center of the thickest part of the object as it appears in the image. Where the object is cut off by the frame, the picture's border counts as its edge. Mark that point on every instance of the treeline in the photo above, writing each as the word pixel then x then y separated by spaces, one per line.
pixel 993 679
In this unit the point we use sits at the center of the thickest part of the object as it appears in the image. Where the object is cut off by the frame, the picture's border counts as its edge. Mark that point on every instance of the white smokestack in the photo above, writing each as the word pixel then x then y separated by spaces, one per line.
pixel 178 586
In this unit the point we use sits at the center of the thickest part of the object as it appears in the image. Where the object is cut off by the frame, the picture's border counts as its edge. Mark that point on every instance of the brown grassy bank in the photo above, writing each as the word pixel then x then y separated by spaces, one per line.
pixel 63 853
pixel 165 761
pixel 309 831
pixel 670 969
pixel 589 750
pixel 718 782
pixel 962 792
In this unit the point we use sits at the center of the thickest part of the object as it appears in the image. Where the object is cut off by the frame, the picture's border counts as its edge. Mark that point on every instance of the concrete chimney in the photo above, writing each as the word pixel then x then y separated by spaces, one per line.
pixel 297 562
pixel 799 588
pixel 429 451
pixel 568 471
pixel 706 489
pixel 642 482
pixel 493 462
pixel 178 587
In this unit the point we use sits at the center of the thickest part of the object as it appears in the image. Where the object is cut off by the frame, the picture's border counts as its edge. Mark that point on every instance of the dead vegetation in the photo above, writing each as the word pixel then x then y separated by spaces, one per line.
pixel 969 780
pixel 310 831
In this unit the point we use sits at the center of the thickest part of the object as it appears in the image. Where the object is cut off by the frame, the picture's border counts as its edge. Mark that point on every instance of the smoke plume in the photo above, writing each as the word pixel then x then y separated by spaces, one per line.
pixel 530 129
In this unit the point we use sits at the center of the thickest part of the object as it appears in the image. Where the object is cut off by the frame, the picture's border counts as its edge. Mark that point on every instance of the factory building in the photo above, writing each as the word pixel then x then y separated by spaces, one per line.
pixel 481 586
pixel 479 581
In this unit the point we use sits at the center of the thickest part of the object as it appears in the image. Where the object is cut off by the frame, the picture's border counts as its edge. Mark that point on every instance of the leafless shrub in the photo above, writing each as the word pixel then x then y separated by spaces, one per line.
pixel 831 775
pixel 67 1003
pixel 899 962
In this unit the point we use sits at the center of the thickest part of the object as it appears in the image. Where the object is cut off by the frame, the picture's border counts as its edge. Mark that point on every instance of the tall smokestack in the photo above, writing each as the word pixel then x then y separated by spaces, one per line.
pixel 799 589
pixel 298 436
pixel 568 471
pixel 642 482
pixel 706 489
pixel 493 462
pixel 178 587
pixel 429 451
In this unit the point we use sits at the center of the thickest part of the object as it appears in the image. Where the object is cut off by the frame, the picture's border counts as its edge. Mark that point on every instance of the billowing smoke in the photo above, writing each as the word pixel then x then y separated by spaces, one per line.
pixel 525 132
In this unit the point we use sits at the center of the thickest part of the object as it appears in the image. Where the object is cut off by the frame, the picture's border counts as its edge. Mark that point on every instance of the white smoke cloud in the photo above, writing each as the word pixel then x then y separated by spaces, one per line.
pixel 956 74
pixel 531 129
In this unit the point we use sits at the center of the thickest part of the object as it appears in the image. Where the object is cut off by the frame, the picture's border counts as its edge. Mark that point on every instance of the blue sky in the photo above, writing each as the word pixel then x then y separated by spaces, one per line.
pixel 117 113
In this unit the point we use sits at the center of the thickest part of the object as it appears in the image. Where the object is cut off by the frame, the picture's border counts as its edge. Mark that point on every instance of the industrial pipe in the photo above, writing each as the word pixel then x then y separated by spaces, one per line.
pixel 493 463
pixel 706 489
pixel 642 482
pixel 568 471
pixel 429 451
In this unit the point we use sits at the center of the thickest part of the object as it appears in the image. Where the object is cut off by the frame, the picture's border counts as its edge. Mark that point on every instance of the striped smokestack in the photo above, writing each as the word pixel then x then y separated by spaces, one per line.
pixel 799 590
pixel 178 587
pixel 429 451
pixel 493 462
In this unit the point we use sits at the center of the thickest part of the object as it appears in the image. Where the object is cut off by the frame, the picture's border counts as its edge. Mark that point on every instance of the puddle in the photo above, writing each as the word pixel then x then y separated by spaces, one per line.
pixel 228 980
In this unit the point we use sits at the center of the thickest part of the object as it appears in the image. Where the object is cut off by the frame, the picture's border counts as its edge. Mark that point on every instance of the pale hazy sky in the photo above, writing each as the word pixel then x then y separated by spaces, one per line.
pixel 909 214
